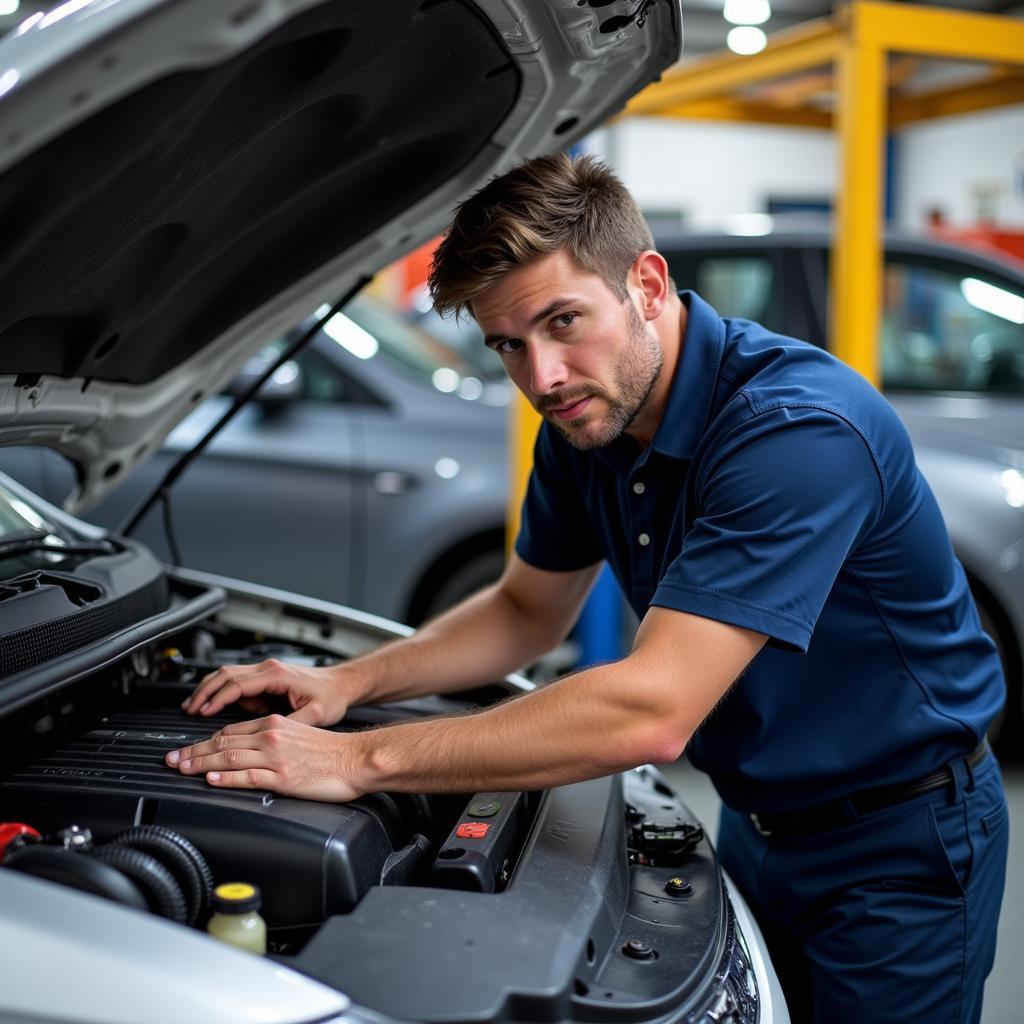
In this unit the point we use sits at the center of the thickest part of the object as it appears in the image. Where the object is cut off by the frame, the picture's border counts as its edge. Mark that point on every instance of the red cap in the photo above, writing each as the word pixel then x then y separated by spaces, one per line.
pixel 11 830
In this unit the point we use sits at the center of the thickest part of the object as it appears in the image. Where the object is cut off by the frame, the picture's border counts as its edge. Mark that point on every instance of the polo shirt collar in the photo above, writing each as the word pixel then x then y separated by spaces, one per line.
pixel 693 387
pixel 689 398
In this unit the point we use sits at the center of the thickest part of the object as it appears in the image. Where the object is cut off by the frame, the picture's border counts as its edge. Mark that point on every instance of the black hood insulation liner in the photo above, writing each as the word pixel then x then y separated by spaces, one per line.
pixel 135 239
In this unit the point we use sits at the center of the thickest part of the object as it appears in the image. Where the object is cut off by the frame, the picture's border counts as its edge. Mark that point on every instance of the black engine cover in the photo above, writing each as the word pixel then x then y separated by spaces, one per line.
pixel 310 859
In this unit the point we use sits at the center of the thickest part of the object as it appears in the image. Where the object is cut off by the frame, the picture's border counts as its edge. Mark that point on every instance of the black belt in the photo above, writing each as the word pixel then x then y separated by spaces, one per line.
pixel 822 817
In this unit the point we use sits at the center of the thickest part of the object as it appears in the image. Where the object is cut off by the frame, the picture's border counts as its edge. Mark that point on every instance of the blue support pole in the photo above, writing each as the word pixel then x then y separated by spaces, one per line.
pixel 599 630
pixel 891 156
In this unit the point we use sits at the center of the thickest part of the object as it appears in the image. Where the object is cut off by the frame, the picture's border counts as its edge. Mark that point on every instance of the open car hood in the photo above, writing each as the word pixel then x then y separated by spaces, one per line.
pixel 182 180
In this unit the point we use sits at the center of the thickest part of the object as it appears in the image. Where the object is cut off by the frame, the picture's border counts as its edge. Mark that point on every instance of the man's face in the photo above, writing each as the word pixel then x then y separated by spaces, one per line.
pixel 585 359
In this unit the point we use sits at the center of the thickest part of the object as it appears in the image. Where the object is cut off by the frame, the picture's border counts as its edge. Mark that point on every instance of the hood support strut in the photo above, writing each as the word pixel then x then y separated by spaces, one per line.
pixel 162 490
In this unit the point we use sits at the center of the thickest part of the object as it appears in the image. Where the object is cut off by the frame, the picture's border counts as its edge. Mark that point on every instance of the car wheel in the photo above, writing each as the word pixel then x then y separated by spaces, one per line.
pixel 464 579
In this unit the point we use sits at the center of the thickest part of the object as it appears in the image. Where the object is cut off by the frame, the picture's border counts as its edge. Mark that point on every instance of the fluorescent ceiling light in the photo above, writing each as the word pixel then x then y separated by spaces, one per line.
pixel 9 6
pixel 747 12
pixel 997 301
pixel 351 337
pixel 745 40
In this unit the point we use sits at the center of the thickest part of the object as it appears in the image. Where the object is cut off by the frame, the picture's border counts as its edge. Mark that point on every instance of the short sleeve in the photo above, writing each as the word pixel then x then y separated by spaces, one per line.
pixel 555 530
pixel 783 501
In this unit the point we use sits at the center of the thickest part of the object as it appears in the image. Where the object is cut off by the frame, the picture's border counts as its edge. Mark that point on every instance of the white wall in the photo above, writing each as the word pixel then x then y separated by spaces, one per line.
pixel 947 162
pixel 710 170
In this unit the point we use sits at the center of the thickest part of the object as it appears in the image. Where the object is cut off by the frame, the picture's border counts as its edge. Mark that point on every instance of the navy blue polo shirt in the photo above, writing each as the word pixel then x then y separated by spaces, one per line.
pixel 780 493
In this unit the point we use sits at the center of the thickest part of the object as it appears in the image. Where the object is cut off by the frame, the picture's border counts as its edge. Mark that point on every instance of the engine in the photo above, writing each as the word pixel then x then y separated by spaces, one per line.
pixel 595 901
pixel 88 766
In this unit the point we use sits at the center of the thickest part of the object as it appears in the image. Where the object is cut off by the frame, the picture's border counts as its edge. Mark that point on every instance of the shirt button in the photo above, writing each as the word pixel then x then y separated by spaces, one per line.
pixel 644 539
pixel 639 488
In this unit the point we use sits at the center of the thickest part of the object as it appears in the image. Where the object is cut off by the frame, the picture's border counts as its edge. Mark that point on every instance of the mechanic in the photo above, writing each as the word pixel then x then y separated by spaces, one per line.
pixel 807 635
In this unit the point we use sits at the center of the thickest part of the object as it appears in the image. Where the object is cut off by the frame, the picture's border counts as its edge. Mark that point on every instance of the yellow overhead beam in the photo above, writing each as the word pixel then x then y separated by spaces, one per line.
pixel 749 112
pixel 810 45
pixel 895 27
pixel 995 91
pixel 936 32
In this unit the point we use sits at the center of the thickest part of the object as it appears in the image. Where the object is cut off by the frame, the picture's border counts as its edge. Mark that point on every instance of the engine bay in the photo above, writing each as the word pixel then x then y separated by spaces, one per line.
pixel 93 759
pixel 590 901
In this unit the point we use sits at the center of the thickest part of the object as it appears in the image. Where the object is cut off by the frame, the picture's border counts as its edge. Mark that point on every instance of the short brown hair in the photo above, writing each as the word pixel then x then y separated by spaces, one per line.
pixel 543 205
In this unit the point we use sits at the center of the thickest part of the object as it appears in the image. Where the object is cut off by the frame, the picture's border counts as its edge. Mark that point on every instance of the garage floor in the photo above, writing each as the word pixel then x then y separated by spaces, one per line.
pixel 1004 994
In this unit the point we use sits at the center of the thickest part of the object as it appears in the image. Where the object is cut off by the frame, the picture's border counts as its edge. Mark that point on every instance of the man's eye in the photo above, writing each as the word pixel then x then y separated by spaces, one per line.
pixel 564 319
pixel 508 346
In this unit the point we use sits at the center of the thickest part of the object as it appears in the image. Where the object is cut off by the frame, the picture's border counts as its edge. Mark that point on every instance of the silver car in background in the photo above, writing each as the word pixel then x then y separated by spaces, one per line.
pixel 370 471
pixel 952 351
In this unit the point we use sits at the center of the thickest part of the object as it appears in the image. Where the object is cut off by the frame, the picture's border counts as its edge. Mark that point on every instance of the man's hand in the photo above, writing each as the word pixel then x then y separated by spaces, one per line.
pixel 275 753
pixel 317 695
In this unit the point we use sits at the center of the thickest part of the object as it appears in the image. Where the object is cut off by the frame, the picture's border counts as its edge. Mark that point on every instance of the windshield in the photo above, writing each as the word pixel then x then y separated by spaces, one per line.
pixel 20 520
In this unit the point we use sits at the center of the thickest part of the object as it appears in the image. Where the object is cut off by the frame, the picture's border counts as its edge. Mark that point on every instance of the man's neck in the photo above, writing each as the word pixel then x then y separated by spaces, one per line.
pixel 670 330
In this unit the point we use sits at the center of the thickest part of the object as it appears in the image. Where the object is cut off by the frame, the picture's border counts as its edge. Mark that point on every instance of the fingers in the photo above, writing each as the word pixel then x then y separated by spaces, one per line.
pixel 250 778
pixel 274 753
pixel 310 714
pixel 232 759
pixel 226 685
pixel 232 737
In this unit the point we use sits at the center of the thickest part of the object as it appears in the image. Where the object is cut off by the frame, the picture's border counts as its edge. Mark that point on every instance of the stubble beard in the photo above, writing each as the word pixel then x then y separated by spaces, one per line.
pixel 634 376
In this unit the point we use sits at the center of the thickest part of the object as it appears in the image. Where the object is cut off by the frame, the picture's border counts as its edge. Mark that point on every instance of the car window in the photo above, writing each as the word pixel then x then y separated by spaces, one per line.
pixel 739 285
pixel 465 337
pixel 321 382
pixel 946 328
pixel 398 340
pixel 318 380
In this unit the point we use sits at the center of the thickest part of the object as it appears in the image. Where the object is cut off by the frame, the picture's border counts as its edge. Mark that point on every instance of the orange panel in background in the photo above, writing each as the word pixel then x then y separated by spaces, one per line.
pixel 1011 242
pixel 415 268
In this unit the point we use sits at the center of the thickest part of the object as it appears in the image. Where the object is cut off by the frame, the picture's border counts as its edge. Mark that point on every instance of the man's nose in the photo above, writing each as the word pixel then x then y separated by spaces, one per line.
pixel 547 369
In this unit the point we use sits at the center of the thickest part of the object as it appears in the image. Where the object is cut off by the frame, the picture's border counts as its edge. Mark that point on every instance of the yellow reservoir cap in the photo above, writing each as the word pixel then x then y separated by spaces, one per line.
pixel 236 898
pixel 235 891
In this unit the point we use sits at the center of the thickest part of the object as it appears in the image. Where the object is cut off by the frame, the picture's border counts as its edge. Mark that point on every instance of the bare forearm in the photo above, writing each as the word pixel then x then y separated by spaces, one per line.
pixel 606 719
pixel 579 728
pixel 482 639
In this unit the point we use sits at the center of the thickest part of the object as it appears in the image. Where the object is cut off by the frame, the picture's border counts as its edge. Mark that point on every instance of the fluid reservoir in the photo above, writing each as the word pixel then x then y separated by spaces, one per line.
pixel 236 918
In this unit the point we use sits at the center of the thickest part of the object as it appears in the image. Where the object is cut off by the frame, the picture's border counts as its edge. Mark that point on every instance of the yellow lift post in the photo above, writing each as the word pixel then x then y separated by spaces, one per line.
pixel 855 52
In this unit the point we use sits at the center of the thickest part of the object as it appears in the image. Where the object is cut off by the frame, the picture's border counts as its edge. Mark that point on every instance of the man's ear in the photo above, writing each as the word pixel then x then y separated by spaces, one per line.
pixel 648 282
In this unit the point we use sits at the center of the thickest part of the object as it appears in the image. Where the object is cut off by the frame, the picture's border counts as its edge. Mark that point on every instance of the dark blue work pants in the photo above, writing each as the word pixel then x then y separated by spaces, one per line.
pixel 891 918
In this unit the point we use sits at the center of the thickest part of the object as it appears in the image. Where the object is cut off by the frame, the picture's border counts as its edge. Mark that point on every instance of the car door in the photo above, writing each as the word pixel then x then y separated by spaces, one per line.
pixel 271 500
